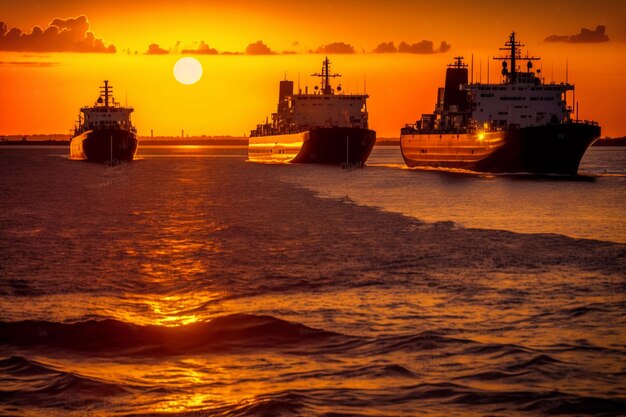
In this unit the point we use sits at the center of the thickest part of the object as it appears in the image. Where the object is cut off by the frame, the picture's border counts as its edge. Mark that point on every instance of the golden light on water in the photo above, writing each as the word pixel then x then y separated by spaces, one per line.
pixel 177 310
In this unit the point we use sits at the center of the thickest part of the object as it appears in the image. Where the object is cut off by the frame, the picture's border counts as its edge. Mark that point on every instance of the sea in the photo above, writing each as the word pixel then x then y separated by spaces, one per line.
pixel 191 282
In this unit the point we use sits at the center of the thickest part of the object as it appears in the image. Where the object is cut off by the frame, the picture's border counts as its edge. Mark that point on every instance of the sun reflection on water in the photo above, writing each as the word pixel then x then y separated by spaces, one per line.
pixel 177 310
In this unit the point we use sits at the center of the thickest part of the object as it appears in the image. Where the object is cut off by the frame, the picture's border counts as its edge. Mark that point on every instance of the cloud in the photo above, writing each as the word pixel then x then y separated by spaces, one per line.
pixel 335 48
pixel 32 64
pixel 385 47
pixel 259 48
pixel 423 47
pixel 61 35
pixel 585 36
pixel 289 53
pixel 155 49
pixel 202 49
pixel 444 47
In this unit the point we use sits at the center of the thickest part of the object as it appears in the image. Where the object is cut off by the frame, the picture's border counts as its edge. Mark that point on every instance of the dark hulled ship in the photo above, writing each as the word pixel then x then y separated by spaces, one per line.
pixel 320 127
pixel 519 125
pixel 104 132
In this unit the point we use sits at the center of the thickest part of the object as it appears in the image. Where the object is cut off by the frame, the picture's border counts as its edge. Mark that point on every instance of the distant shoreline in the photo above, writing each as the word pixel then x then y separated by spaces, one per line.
pixel 59 140
pixel 163 141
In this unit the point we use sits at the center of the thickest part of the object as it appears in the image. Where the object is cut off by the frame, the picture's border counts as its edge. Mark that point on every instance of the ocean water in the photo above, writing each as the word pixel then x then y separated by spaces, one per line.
pixel 193 283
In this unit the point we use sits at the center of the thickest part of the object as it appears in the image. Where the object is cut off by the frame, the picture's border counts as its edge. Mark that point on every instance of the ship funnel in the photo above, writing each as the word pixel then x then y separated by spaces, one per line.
pixel 285 90
pixel 456 76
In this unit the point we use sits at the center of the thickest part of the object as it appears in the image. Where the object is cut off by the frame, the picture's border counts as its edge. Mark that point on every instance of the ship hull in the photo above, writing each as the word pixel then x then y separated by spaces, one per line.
pixel 335 146
pixel 548 149
pixel 104 146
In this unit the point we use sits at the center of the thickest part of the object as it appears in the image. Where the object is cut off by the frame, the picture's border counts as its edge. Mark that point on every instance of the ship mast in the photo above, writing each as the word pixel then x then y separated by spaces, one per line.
pixel 105 91
pixel 514 48
pixel 458 62
pixel 326 75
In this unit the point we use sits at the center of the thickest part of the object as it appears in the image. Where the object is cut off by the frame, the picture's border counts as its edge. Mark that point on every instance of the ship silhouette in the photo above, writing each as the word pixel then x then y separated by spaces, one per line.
pixel 104 132
pixel 324 127
pixel 518 125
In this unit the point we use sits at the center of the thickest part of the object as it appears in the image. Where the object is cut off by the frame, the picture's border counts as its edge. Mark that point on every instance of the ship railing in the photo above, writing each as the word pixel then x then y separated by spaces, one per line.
pixel 586 122
pixel 414 130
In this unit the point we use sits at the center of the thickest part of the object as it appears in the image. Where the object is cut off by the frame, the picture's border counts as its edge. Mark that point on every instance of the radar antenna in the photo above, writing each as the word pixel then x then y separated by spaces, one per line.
pixel 514 48
pixel 326 75
pixel 106 91
pixel 458 63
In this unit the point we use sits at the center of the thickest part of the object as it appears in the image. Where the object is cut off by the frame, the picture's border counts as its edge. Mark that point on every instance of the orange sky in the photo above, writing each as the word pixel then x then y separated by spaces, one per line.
pixel 41 92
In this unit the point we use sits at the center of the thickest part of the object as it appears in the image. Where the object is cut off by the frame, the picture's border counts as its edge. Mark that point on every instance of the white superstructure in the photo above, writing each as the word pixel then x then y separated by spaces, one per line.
pixel 106 113
pixel 522 99
pixel 321 109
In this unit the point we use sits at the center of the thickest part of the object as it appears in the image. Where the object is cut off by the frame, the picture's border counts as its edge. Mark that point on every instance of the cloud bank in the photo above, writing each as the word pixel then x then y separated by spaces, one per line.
pixel 335 48
pixel 202 49
pixel 31 64
pixel 423 47
pixel 155 49
pixel 259 48
pixel 585 36
pixel 61 35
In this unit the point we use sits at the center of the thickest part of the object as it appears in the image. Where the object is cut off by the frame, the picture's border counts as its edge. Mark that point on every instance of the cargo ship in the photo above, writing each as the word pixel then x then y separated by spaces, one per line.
pixel 323 126
pixel 521 124
pixel 104 132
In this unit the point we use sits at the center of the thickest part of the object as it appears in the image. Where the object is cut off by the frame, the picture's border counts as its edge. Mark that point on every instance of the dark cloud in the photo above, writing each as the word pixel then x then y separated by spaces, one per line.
pixel 202 49
pixel 155 49
pixel 335 48
pixel 385 47
pixel 585 36
pixel 259 48
pixel 423 47
pixel 61 35
pixel 444 47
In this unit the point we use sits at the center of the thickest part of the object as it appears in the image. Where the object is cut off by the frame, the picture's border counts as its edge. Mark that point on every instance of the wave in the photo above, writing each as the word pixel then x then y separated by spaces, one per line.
pixel 20 366
pixel 104 337
pixel 525 378
pixel 430 399
pixel 245 331
pixel 26 381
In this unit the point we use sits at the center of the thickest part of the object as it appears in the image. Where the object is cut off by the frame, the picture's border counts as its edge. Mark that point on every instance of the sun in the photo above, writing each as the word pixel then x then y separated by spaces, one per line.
pixel 187 70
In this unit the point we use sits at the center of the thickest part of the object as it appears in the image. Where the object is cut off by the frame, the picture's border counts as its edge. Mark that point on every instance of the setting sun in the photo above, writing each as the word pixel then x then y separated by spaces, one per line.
pixel 187 70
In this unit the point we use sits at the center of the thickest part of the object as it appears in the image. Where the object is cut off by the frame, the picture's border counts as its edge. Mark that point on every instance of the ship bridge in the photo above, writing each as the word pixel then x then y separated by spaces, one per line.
pixel 521 99
pixel 324 107
pixel 106 113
